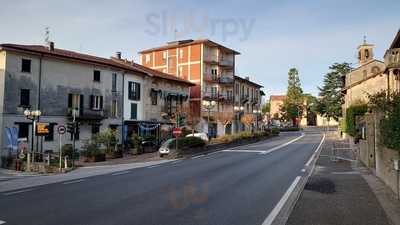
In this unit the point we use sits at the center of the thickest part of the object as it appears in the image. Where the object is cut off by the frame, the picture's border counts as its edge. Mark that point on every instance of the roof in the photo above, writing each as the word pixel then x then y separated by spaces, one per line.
pixel 361 66
pixel 396 41
pixel 154 73
pixel 183 43
pixel 247 81
pixel 61 53
pixel 277 97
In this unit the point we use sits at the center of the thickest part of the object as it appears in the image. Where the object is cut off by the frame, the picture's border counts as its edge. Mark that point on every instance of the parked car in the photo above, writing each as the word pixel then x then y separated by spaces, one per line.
pixel 165 147
pixel 203 136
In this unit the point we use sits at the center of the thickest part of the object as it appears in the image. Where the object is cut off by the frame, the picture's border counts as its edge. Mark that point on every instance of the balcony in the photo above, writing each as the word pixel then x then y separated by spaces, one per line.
pixel 244 99
pixel 392 58
pixel 226 62
pixel 226 80
pixel 87 114
pixel 211 78
pixel 212 59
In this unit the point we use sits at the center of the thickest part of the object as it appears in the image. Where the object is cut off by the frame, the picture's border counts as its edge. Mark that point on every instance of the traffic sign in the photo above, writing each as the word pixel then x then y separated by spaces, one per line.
pixel 61 129
pixel 177 131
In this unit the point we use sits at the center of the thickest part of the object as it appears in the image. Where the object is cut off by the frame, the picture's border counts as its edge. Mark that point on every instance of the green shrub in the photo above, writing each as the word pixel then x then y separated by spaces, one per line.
pixel 275 131
pixel 289 129
pixel 91 148
pixel 188 142
pixel 352 113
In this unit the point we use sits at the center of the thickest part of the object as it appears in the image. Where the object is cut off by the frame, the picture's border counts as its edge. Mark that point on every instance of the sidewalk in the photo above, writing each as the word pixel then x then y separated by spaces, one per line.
pixel 337 193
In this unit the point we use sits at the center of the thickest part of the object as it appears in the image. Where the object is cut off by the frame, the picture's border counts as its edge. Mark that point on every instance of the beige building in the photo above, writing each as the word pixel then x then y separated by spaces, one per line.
pixel 367 79
pixel 276 102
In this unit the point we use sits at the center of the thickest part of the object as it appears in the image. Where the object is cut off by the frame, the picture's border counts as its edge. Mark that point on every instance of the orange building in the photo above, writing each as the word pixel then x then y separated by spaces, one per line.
pixel 210 66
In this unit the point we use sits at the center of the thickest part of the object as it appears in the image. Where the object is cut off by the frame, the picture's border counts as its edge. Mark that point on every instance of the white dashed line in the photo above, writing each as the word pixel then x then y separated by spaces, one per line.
pixel 303 170
pixel 2 222
pixel 17 192
pixel 120 173
pixel 281 203
pixel 176 161
pixel 244 151
pixel 310 160
pixel 74 181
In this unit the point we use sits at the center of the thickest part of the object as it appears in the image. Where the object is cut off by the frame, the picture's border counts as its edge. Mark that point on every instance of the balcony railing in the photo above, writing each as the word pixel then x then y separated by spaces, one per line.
pixel 87 114
pixel 211 78
pixel 392 58
pixel 226 80
pixel 226 62
pixel 244 98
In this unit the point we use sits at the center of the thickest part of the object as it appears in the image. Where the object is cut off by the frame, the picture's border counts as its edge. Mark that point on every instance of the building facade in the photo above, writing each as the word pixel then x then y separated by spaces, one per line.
pixel 210 66
pixel 247 101
pixel 105 93
pixel 392 63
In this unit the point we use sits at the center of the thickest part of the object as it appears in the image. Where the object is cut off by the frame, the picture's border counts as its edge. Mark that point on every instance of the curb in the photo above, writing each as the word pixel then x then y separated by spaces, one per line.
pixel 288 207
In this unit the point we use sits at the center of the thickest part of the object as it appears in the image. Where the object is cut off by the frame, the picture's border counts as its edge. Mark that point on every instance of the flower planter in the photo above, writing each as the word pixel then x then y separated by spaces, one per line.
pixel 95 158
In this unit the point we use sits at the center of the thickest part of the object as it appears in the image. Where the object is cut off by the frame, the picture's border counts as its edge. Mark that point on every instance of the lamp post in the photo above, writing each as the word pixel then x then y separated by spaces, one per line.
pixel 208 105
pixel 33 116
pixel 238 110
pixel 257 112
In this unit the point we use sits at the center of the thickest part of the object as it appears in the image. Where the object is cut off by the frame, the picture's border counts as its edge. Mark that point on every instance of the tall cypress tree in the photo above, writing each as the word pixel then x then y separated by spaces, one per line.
pixel 293 105
pixel 331 98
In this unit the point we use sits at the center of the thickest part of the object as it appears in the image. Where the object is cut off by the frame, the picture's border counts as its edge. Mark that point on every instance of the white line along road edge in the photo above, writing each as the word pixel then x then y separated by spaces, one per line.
pixel 281 203
pixel 315 152
pixel 283 145
pixel 2 222
pixel 271 217
pixel 17 192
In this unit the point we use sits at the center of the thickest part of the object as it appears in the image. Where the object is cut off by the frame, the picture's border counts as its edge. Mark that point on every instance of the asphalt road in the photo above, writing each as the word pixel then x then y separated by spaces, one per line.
pixel 240 186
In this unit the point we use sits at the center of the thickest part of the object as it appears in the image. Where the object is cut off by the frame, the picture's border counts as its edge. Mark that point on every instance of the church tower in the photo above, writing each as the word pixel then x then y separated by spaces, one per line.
pixel 365 52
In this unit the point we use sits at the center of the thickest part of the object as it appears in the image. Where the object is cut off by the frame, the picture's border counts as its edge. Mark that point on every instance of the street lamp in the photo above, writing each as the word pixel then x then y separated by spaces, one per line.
pixel 208 105
pixel 238 110
pixel 257 112
pixel 32 115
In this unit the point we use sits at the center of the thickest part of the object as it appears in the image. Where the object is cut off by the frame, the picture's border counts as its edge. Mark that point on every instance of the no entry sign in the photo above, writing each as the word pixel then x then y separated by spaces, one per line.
pixel 61 129
pixel 177 132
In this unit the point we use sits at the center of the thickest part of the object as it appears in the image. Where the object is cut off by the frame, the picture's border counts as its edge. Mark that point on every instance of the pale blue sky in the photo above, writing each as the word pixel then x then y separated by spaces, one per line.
pixel 271 35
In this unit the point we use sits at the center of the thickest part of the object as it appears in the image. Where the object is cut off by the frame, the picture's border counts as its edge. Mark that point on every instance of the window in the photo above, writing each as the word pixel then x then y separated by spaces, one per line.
pixel 96 102
pixel 213 91
pixel 229 95
pixel 24 98
pixel 50 136
pixel 237 89
pixel 114 108
pixel 134 91
pixel 133 111
pixel 23 130
pixel 26 66
pixel 147 58
pixel 96 75
pixel 180 71
pixel 75 101
pixel 114 82
pixel 164 70
pixel 366 54
pixel 154 97
pixel 164 55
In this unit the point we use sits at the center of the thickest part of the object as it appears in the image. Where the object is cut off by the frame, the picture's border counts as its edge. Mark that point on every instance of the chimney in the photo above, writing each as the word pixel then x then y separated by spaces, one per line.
pixel 51 46
pixel 247 77
pixel 118 55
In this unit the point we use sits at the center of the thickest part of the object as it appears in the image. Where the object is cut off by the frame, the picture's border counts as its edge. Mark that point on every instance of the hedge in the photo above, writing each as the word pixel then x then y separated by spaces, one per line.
pixel 351 113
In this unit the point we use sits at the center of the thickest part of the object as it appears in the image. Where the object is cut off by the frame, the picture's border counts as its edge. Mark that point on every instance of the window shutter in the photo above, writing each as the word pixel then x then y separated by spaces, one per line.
pixel 81 104
pixel 129 90
pixel 69 100
pixel 133 111
pixel 101 102
pixel 137 91
pixel 91 101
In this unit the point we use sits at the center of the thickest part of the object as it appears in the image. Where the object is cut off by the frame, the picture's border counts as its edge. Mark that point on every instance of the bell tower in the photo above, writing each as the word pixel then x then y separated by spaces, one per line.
pixel 365 52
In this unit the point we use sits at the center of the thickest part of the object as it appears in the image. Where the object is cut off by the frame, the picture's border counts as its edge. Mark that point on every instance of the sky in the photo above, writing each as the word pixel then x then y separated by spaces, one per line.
pixel 272 36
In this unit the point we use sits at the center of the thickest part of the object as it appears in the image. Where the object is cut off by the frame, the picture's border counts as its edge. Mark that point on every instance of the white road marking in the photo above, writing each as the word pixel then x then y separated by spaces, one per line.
pixel 346 173
pixel 245 151
pixel 199 156
pixel 303 170
pixel 74 181
pixel 262 152
pixel 154 166
pixel 271 217
pixel 120 173
pixel 2 222
pixel 176 161
pixel 315 152
pixel 17 192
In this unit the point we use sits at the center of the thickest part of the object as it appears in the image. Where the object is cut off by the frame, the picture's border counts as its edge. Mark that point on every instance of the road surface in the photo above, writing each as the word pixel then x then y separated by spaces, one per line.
pixel 238 186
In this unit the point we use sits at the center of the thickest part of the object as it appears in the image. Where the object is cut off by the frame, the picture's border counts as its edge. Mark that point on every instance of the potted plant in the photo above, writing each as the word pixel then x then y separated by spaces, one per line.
pixel 135 143
pixel 109 139
pixel 92 151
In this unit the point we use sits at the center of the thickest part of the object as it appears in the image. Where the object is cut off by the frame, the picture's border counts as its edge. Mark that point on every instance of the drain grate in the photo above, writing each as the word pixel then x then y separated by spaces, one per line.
pixel 322 185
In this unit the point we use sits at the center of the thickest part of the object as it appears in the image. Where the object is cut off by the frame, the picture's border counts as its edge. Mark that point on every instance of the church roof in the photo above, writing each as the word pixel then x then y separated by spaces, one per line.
pixel 396 41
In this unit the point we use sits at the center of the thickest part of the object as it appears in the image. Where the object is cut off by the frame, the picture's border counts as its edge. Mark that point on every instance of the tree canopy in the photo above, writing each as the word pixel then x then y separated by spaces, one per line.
pixel 292 106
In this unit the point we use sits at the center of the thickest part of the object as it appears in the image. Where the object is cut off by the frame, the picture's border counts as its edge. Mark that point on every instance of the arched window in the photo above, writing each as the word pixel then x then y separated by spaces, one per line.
pixel 366 54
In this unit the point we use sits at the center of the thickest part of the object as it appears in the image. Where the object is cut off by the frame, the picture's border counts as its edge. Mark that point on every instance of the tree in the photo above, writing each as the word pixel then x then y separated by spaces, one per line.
pixel 192 119
pixel 225 118
pixel 266 108
pixel 331 98
pixel 293 105
pixel 248 119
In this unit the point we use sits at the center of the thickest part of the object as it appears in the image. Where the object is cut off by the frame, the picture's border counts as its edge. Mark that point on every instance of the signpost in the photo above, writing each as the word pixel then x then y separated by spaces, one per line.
pixel 42 129
pixel 176 132
pixel 61 130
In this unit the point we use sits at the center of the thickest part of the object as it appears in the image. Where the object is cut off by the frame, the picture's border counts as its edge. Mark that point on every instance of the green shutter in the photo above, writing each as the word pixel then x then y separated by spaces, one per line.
pixel 133 111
